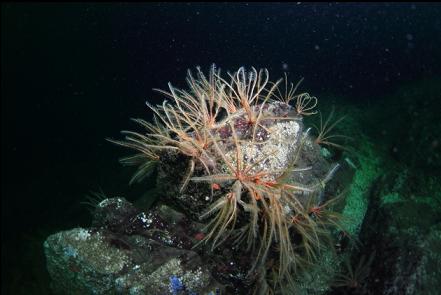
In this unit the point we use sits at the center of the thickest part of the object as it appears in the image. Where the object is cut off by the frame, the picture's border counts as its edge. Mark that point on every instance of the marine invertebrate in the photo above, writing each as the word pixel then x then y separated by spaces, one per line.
pixel 351 277
pixel 250 166
pixel 325 137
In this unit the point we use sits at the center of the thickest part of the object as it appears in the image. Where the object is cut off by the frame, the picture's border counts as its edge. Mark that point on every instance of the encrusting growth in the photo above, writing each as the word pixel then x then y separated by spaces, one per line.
pixel 244 139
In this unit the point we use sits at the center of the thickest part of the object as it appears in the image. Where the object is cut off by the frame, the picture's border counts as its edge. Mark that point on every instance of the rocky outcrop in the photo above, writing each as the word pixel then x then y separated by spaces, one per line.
pixel 129 252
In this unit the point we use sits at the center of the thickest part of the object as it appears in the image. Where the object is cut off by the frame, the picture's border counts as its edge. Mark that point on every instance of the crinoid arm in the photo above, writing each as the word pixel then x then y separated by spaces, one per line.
pixel 325 137
pixel 145 166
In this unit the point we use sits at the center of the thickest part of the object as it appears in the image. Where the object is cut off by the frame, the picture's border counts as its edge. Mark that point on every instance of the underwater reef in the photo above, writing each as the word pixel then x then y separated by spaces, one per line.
pixel 257 193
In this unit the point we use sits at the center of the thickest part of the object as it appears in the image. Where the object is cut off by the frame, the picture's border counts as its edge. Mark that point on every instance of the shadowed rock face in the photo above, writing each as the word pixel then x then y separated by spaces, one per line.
pixel 402 236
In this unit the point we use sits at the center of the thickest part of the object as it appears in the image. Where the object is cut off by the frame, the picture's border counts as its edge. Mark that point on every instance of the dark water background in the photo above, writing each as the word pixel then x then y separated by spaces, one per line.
pixel 73 74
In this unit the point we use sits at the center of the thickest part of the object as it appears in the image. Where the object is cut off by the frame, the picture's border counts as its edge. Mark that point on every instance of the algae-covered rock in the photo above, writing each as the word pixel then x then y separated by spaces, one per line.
pixel 402 232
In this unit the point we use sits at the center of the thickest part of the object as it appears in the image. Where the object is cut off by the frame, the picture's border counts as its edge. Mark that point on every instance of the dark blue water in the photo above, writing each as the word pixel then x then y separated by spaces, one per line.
pixel 73 74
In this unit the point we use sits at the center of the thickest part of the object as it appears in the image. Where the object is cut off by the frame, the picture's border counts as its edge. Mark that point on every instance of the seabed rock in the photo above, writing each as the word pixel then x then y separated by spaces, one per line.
pixel 128 252
pixel 402 235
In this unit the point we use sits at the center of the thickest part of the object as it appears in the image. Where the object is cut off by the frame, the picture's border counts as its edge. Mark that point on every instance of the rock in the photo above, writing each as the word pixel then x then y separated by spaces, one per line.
pixel 401 234
pixel 127 254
